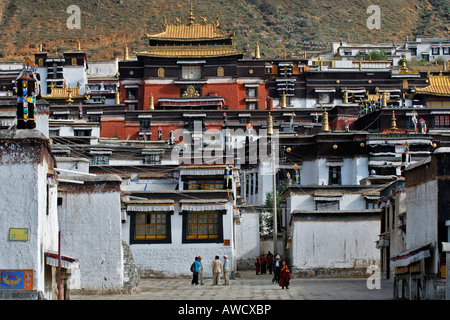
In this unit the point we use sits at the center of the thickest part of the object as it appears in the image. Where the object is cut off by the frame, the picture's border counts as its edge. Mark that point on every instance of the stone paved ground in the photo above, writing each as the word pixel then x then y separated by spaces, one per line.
pixel 248 286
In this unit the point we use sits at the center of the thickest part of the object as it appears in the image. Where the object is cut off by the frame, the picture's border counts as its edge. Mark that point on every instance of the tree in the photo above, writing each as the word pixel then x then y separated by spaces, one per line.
pixel 377 55
pixel 267 214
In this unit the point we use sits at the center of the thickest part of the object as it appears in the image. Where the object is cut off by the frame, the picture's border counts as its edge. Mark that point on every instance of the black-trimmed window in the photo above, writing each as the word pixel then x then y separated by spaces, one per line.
pixel 191 72
pixel 203 227
pixel 327 205
pixel 150 227
pixel 334 175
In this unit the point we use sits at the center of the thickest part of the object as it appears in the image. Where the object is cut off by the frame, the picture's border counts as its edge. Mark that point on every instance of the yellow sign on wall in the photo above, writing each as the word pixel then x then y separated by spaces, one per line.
pixel 18 234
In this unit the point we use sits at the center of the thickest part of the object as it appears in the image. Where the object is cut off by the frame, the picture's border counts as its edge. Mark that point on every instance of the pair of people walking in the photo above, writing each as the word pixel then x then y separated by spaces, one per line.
pixel 282 274
pixel 218 268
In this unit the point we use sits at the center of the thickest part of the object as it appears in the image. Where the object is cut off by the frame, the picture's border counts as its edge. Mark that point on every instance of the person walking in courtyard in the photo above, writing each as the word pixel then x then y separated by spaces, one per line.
pixel 263 264
pixel 195 271
pixel 285 275
pixel 276 269
pixel 226 268
pixel 200 271
pixel 269 262
pixel 257 264
pixel 217 268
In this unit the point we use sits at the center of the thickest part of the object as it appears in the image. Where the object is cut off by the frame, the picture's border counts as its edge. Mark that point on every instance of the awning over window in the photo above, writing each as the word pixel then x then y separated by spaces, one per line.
pixel 202 172
pixel 327 198
pixel 68 263
pixel 151 207
pixel 407 257
pixel 325 90
pixel 212 205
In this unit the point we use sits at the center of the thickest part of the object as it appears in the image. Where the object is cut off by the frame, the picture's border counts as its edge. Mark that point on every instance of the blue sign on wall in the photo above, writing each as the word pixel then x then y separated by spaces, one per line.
pixel 16 279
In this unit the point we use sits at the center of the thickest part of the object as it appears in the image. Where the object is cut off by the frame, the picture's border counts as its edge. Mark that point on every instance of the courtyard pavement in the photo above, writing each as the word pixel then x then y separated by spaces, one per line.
pixel 247 286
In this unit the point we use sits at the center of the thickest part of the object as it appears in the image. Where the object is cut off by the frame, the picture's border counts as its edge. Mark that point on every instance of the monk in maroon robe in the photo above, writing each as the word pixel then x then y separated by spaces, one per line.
pixel 257 265
pixel 285 275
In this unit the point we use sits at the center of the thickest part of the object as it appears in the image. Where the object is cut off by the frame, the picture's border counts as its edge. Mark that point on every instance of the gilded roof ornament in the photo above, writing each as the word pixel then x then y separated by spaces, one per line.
pixel 216 23
pixel 191 17
pixel 257 51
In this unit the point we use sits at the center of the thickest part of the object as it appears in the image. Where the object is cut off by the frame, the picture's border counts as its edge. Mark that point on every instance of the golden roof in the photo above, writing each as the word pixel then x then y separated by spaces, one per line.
pixel 439 86
pixel 184 34
pixel 190 51
pixel 65 93
pixel 189 32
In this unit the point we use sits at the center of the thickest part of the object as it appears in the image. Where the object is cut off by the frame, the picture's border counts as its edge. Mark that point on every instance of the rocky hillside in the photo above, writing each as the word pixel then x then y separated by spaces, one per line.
pixel 107 25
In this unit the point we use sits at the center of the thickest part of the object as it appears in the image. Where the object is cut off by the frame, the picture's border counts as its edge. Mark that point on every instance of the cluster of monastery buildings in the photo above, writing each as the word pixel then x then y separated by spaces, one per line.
pixel 137 165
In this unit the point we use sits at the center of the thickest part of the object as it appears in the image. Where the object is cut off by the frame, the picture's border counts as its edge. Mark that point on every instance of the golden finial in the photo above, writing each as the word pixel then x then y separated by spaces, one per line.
pixel 126 56
pixel 325 124
pixel 191 17
pixel 404 68
pixel 69 91
pixel 345 100
pixel 117 96
pixel 79 45
pixel 283 103
pixel 165 22
pixel 151 105
pixel 269 124
pixel 216 23
pixel 393 122
pixel 384 100
pixel 204 20
pixel 257 51
pixel 41 49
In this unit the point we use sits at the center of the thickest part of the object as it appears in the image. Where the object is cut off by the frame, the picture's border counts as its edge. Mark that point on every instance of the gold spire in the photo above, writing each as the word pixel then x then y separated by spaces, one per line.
pixel 283 103
pixel 69 92
pixel 393 122
pixel 325 125
pixel 191 17
pixel 384 99
pixel 126 56
pixel 345 100
pixel 151 104
pixel 269 124
pixel 404 68
pixel 79 45
pixel 117 96
pixel 257 51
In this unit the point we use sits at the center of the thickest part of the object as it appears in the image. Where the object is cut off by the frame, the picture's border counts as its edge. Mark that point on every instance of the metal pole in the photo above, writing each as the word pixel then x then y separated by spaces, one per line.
pixel 447 262
pixel 59 265
pixel 275 223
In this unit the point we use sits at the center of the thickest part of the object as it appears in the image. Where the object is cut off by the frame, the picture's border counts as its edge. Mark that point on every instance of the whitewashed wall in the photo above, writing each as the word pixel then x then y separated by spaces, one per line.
pixel 422 209
pixel 175 258
pixel 334 244
pixel 247 239
pixel 23 193
pixel 91 232
pixel 316 172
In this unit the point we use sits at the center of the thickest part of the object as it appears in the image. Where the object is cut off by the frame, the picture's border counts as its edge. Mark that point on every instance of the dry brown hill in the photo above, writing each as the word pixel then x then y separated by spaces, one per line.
pixel 107 25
